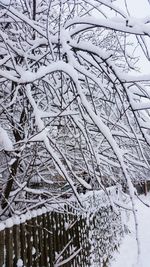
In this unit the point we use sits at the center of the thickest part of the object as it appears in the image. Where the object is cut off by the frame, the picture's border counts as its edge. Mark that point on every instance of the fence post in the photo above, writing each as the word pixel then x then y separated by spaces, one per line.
pixel 40 241
pixel 50 239
pixel 35 258
pixel 45 235
pixel 9 243
pixel 29 241
pixel 2 243
pixel 16 240
pixel 66 232
pixel 23 248
pixel 54 227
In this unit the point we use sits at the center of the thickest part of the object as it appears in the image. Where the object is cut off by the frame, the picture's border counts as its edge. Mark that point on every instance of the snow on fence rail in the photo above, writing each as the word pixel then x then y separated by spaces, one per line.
pixel 44 238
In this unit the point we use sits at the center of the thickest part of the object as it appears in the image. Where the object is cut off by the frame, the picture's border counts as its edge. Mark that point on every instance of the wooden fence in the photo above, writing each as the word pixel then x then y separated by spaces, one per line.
pixel 47 239
pixel 44 238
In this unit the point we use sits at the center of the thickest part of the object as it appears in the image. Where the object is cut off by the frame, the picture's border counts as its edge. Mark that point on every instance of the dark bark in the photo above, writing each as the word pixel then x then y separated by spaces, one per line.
pixel 13 171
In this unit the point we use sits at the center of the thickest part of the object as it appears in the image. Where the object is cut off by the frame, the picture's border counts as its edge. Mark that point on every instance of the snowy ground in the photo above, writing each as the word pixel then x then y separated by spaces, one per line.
pixel 127 255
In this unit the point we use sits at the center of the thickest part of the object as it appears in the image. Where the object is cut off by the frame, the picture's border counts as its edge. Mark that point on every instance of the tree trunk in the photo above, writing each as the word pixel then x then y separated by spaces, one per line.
pixel 13 171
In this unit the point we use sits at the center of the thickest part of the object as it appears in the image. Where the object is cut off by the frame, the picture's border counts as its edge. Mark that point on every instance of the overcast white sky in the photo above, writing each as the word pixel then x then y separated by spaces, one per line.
pixel 138 9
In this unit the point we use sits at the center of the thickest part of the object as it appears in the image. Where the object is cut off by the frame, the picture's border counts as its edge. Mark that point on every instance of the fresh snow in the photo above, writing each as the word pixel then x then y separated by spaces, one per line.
pixel 127 254
pixel 20 263
pixel 128 25
pixel 5 142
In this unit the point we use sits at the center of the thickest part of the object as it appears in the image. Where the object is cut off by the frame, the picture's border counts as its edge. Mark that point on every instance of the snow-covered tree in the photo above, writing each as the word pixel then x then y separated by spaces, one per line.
pixel 72 100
